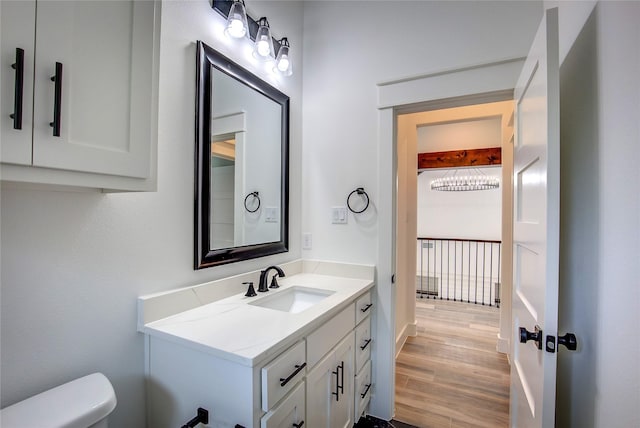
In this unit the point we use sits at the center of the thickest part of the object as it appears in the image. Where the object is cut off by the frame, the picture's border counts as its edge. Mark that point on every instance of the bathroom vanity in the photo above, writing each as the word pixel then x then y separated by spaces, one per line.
pixel 296 355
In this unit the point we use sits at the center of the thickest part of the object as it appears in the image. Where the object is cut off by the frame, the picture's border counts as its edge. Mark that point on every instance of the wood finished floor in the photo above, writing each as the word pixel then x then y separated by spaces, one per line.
pixel 450 375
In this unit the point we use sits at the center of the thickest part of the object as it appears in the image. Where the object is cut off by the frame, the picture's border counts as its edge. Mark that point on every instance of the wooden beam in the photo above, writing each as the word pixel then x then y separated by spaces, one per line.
pixel 460 158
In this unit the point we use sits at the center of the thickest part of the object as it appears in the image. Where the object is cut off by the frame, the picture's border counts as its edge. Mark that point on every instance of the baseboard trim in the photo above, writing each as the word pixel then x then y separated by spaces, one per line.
pixel 503 345
pixel 408 330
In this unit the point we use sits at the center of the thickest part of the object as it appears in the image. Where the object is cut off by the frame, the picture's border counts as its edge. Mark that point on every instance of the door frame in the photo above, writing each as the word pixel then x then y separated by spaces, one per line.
pixel 476 84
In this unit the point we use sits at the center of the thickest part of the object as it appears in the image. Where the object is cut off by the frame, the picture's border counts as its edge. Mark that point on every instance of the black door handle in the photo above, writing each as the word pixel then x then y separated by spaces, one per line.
pixel 569 340
pixel 536 336
pixel 18 66
pixel 299 425
pixel 57 100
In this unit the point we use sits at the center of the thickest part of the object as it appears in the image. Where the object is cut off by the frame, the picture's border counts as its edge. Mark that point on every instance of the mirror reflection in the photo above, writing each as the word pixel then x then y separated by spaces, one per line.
pixel 245 164
pixel 242 138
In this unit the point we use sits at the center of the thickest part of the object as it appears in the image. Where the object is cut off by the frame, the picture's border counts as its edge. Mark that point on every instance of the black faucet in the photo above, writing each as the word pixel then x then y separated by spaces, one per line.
pixel 262 285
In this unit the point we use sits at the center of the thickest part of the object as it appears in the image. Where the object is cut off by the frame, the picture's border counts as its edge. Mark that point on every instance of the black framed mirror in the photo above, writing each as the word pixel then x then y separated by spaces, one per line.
pixel 242 163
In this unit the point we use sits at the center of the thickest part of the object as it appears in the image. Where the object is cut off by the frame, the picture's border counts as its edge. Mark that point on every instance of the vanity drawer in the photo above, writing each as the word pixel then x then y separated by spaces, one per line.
pixel 363 343
pixel 282 374
pixel 289 413
pixel 363 307
pixel 362 390
pixel 326 337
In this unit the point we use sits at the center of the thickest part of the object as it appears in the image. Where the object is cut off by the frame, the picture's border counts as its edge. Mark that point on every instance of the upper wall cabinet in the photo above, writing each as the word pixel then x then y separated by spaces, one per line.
pixel 79 93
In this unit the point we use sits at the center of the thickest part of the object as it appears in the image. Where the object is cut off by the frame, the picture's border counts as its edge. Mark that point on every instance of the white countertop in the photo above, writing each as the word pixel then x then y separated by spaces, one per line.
pixel 237 331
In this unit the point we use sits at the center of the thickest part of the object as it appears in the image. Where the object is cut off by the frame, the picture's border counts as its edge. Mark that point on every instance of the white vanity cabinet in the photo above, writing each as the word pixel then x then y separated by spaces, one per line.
pixel 82 93
pixel 255 366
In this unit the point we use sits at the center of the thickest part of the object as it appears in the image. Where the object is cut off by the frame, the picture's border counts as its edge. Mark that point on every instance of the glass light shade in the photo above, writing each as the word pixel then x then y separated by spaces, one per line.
pixel 263 48
pixel 283 60
pixel 237 26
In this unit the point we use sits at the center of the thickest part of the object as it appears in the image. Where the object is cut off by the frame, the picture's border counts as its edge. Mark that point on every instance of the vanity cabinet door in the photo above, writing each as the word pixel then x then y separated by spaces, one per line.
pixel 343 408
pixel 330 388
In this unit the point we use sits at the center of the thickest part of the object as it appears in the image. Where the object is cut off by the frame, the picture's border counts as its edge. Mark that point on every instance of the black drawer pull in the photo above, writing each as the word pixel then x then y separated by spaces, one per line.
pixel 366 343
pixel 300 425
pixel 57 100
pixel 18 66
pixel 366 308
pixel 364 394
pixel 284 381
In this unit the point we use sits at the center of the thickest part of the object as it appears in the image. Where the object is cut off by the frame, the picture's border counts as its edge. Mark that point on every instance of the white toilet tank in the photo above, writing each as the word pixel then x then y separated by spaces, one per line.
pixel 82 403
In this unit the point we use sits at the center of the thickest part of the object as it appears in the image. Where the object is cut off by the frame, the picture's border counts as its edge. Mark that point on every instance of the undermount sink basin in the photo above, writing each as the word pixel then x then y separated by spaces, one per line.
pixel 293 300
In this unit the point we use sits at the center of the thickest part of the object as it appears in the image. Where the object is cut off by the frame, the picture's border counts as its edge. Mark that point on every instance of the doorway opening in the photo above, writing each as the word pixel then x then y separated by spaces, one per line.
pixel 453 269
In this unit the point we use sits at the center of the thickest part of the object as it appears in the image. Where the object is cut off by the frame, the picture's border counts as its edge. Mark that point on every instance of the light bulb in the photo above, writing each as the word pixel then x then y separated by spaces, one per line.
pixel 236 28
pixel 283 64
pixel 262 46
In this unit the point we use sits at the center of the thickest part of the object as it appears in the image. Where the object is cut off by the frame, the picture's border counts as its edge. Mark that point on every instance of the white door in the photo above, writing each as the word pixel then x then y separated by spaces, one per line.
pixel 536 229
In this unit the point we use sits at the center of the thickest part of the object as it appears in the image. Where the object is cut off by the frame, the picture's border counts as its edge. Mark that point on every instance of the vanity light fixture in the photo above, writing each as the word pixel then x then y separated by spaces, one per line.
pixel 240 24
pixel 283 64
pixel 263 48
pixel 237 26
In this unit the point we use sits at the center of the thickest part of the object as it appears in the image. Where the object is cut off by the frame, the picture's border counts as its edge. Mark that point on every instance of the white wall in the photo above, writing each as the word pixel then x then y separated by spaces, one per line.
pixel 599 385
pixel 465 215
pixel 349 48
pixel 73 263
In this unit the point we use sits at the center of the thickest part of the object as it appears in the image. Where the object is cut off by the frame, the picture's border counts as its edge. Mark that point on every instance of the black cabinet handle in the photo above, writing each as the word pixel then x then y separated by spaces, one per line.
pixel 366 343
pixel 339 380
pixel 57 101
pixel 364 394
pixel 366 308
pixel 284 381
pixel 300 425
pixel 18 66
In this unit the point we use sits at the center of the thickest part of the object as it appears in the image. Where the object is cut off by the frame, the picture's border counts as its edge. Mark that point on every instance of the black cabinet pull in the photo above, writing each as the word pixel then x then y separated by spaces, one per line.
pixel 366 308
pixel 366 343
pixel 364 394
pixel 339 388
pixel 284 381
pixel 18 66
pixel 57 101
pixel 300 425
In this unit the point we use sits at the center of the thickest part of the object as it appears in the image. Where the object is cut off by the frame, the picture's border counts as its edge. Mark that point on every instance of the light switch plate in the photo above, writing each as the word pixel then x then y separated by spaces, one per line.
pixel 271 215
pixel 339 215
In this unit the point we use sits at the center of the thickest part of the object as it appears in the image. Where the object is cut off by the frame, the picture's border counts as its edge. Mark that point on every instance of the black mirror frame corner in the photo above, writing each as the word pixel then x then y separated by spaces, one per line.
pixel 206 57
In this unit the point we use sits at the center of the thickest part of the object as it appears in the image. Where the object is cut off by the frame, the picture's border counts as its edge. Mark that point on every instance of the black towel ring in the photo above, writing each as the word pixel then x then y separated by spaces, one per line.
pixel 255 195
pixel 359 191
